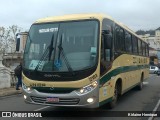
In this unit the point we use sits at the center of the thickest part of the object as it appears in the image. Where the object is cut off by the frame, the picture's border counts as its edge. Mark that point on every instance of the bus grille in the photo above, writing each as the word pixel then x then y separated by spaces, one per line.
pixel 62 101
pixel 55 90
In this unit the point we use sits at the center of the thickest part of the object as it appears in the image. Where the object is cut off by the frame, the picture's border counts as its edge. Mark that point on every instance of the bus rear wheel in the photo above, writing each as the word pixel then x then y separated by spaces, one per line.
pixel 140 85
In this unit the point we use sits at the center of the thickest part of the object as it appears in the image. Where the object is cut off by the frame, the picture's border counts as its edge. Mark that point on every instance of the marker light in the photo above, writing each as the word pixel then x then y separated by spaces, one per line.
pixel 27 89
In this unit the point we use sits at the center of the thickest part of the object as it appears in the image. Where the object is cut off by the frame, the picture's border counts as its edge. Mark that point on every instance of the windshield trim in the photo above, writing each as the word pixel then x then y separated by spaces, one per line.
pixel 68 21
pixel 59 22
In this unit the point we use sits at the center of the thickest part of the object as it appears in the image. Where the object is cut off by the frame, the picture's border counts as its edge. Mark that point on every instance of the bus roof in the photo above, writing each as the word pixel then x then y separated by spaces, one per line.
pixel 71 17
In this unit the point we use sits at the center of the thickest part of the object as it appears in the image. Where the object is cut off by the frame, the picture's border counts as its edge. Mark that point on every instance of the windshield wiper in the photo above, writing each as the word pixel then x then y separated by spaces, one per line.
pixel 51 48
pixel 46 53
pixel 61 52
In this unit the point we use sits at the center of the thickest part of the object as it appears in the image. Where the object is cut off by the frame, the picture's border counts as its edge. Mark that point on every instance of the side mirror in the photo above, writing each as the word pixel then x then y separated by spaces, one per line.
pixel 107 41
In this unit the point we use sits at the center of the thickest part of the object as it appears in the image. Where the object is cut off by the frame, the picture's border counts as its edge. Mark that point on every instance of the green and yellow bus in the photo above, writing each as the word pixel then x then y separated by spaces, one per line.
pixel 82 60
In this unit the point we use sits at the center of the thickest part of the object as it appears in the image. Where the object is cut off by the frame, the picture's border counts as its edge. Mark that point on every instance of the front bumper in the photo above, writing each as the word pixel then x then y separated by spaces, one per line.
pixel 72 99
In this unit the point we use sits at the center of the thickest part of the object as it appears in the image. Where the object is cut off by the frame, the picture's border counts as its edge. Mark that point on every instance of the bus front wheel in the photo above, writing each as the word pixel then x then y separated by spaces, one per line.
pixel 113 103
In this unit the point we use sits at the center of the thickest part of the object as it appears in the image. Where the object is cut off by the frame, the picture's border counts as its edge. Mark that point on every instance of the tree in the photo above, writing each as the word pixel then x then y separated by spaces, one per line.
pixel 8 38
pixel 140 32
pixel 4 34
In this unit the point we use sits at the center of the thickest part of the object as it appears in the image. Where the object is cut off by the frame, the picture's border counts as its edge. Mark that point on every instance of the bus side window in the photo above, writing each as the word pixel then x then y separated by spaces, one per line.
pixel 139 47
pixel 143 49
pixel 135 44
pixel 119 40
pixel 128 42
pixel 147 50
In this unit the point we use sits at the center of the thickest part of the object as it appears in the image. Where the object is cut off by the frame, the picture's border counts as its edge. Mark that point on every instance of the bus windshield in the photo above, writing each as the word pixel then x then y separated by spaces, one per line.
pixel 62 47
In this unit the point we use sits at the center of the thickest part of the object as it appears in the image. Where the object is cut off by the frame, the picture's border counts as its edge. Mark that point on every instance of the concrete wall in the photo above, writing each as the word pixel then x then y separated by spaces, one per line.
pixel 7 78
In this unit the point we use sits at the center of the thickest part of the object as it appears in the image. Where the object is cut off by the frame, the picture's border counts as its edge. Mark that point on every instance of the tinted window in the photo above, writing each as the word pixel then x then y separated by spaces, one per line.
pixel 128 42
pixel 152 67
pixel 140 47
pixel 143 48
pixel 135 44
pixel 147 50
pixel 119 40
pixel 107 31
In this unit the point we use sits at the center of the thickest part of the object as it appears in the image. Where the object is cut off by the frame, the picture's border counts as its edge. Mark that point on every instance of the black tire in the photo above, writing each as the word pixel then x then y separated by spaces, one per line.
pixel 113 103
pixel 140 85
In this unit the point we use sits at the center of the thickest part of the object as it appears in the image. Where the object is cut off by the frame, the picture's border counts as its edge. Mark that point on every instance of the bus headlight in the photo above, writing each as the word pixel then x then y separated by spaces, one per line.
pixel 28 89
pixel 87 88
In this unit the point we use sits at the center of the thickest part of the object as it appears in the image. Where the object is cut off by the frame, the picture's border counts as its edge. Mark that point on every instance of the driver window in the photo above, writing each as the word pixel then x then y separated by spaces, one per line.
pixel 106 45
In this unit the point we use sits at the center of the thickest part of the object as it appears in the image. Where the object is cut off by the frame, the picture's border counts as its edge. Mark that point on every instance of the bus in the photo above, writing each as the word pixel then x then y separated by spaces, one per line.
pixel 82 60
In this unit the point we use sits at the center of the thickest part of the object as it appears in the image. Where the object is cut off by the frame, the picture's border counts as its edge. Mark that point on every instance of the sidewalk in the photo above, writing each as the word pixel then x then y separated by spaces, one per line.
pixel 9 91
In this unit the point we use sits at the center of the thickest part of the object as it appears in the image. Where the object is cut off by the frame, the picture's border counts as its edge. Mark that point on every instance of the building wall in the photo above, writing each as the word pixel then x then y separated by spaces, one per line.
pixel 23 38
pixel 153 40
pixel 157 37
pixel 11 59
pixel 154 43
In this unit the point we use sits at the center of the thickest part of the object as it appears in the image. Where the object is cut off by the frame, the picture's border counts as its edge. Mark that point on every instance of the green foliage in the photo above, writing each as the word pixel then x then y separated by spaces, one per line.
pixel 143 32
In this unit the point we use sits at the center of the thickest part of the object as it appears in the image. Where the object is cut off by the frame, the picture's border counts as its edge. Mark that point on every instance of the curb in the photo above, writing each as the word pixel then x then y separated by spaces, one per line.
pixel 6 92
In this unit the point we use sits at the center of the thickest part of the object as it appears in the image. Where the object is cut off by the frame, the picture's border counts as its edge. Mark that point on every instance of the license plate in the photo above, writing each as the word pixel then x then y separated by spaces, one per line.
pixel 52 99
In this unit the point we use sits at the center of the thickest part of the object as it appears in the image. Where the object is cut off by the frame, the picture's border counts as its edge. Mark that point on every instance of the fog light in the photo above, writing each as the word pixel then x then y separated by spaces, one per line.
pixel 90 100
pixel 25 97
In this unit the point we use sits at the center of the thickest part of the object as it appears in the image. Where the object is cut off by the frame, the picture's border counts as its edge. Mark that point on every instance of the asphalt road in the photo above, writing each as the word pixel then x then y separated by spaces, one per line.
pixel 134 100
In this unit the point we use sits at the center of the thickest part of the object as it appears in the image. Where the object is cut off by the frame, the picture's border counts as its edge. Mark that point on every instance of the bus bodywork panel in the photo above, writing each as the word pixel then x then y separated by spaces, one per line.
pixel 66 92
pixel 129 72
